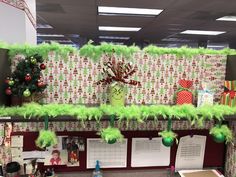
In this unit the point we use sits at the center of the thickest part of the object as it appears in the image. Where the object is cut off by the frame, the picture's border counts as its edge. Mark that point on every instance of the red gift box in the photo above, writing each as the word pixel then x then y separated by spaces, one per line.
pixel 184 95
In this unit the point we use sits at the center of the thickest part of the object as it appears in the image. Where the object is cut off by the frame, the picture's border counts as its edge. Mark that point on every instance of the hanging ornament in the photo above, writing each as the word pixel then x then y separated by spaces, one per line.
pixel 40 84
pixel 42 66
pixel 8 91
pixel 168 141
pixel 28 77
pixel 7 80
pixel 219 138
pixel 33 60
pixel 27 93
pixel 11 82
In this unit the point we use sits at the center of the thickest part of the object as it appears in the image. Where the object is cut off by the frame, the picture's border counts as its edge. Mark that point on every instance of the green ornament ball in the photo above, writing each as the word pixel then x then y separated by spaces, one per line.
pixel 168 141
pixel 219 138
pixel 11 82
pixel 27 93
pixel 33 61
pixel 113 141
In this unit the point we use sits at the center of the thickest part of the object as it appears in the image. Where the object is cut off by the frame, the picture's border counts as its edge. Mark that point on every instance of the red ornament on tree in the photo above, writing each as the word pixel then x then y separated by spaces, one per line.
pixel 8 91
pixel 42 66
pixel 41 84
pixel 28 77
pixel 7 80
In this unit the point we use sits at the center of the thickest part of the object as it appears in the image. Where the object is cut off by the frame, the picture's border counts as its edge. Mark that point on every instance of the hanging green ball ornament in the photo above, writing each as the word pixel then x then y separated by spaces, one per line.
pixel 27 93
pixel 113 141
pixel 33 60
pixel 219 138
pixel 168 141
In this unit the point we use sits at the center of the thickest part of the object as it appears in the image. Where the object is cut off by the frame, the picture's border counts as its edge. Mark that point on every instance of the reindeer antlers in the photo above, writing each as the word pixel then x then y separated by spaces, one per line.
pixel 118 71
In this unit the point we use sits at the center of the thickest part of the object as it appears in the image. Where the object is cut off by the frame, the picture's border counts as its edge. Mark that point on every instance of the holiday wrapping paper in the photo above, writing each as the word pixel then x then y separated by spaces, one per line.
pixel 229 97
pixel 184 94
pixel 148 125
pixel 73 79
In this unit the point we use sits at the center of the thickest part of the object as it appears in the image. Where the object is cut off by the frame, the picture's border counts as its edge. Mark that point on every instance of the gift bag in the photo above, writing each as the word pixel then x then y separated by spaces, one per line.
pixel 228 97
pixel 205 96
pixel 184 94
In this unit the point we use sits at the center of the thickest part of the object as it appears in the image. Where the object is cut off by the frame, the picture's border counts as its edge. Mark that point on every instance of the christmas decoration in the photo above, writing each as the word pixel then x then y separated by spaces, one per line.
pixel 7 80
pixel 42 66
pixel 33 60
pixel 41 84
pixel 46 137
pixel 26 93
pixel 205 96
pixel 24 79
pixel 229 96
pixel 184 94
pixel 221 133
pixel 8 91
pixel 110 134
pixel 168 136
pixel 117 73
pixel 11 82
pixel 28 77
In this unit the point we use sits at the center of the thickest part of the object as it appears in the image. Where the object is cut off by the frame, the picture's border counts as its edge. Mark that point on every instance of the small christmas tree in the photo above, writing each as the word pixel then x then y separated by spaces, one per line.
pixel 27 79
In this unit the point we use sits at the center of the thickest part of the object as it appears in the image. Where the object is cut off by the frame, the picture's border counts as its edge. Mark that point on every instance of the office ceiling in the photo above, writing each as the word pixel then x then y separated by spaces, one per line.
pixel 81 17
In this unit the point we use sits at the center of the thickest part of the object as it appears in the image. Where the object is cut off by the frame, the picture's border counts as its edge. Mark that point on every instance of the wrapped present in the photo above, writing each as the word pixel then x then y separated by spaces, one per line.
pixel 228 97
pixel 184 94
pixel 205 96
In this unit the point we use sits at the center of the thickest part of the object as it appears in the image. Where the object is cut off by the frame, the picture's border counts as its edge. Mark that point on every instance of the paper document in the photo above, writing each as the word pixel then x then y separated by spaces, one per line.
pixel 190 152
pixel 109 155
pixel 199 173
pixel 17 141
pixel 147 153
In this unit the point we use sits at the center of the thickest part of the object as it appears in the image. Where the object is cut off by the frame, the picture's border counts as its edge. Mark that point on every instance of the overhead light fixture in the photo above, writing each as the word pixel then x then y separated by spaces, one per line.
pixel 43 26
pixel 115 28
pixel 114 37
pixel 50 35
pixel 105 10
pixel 201 32
pixel 227 18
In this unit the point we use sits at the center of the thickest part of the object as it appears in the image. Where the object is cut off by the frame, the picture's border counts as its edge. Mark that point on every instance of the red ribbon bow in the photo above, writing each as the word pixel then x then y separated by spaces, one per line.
pixel 231 93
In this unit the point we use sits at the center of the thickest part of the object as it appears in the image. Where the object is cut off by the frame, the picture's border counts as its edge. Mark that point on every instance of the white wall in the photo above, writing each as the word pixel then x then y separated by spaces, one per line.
pixel 15 26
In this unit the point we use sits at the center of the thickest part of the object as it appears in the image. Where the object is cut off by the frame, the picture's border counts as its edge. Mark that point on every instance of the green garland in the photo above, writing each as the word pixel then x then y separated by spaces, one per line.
pixel 95 52
pixel 134 112
pixel 185 51
pixel 41 49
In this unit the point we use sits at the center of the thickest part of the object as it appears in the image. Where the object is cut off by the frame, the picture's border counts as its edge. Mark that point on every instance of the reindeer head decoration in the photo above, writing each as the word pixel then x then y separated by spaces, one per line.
pixel 117 73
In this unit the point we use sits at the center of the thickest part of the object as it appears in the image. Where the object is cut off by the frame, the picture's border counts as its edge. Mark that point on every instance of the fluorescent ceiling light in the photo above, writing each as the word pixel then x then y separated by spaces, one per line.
pixel 50 35
pixel 227 18
pixel 104 10
pixel 200 32
pixel 113 37
pixel 216 46
pixel 114 28
pixel 44 26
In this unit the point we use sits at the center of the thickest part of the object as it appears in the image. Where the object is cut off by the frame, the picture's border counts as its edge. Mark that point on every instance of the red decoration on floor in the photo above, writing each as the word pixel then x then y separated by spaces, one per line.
pixel 184 93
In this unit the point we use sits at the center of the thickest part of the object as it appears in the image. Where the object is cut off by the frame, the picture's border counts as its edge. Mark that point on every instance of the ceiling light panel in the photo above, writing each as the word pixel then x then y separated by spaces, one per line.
pixel 114 37
pixel 50 35
pixel 105 10
pixel 202 32
pixel 115 28
pixel 227 18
